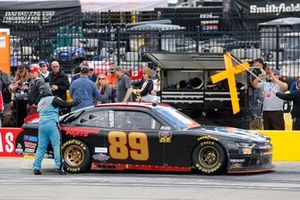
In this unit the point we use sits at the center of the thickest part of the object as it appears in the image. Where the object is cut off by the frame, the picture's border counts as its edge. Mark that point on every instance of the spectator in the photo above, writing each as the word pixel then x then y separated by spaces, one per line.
pixel 123 88
pixel 1 108
pixel 111 78
pixel 58 81
pixel 43 67
pixel 84 89
pixel 77 72
pixel 147 85
pixel 272 105
pixel 4 81
pixel 104 89
pixel 295 85
pixel 255 96
pixel 48 128
pixel 92 76
pixel 20 89
pixel 156 82
pixel 5 91
pixel 295 97
pixel 33 94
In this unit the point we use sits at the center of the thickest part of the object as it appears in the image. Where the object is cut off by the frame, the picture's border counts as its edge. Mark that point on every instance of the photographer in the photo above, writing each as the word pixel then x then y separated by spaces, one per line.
pixel 272 105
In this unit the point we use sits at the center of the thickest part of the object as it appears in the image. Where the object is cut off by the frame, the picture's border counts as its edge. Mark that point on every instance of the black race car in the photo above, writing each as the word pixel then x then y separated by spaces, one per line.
pixel 155 137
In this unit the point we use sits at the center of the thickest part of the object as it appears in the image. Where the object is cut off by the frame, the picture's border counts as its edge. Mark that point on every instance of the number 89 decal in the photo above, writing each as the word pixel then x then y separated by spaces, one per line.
pixel 135 145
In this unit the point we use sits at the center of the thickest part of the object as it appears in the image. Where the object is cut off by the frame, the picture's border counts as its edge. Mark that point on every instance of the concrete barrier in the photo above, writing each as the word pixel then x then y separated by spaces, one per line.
pixel 286 144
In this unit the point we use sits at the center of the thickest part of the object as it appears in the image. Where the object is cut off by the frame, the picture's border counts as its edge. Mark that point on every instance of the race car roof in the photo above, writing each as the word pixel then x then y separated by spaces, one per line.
pixel 190 61
pixel 132 104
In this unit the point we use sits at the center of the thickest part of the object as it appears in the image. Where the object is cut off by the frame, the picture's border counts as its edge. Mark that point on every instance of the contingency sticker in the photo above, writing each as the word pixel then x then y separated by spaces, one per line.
pixel 165 136
pixel 101 150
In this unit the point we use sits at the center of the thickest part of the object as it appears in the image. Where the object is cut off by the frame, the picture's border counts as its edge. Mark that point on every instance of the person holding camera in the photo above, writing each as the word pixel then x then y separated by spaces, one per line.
pixel 272 105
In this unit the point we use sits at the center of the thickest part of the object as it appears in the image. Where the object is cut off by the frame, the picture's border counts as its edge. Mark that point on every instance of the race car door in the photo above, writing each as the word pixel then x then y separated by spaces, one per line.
pixel 134 139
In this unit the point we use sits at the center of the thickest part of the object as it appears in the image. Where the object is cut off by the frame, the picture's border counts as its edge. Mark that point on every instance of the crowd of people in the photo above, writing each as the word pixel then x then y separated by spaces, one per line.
pixel 20 96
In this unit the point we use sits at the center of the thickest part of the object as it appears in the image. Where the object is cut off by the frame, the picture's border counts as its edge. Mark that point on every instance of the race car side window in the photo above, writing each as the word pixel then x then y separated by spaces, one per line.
pixel 133 120
pixel 94 119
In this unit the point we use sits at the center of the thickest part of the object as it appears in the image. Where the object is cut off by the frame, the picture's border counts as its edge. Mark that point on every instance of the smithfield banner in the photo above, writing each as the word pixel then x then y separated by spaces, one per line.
pixel 246 14
pixel 275 7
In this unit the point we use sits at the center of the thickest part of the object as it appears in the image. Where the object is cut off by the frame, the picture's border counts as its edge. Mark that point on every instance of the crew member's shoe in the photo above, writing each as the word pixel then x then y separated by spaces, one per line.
pixel 37 172
pixel 61 171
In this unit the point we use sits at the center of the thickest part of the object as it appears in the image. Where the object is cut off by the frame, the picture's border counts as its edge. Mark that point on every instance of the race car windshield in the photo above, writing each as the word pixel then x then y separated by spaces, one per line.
pixel 175 118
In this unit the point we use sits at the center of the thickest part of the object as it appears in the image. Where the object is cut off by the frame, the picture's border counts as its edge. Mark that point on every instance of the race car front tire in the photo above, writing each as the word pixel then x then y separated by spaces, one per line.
pixel 209 158
pixel 76 156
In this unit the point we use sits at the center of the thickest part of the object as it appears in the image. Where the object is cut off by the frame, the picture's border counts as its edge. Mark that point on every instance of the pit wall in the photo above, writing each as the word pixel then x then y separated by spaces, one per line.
pixel 286 145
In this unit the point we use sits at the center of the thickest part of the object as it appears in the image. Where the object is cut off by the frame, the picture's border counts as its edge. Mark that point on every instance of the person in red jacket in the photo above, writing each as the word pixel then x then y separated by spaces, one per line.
pixel 1 108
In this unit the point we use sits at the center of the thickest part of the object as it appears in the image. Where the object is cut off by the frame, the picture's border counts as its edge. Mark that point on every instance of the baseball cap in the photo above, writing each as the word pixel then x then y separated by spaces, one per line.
pixel 275 71
pixel 34 69
pixel 117 68
pixel 259 60
pixel 43 62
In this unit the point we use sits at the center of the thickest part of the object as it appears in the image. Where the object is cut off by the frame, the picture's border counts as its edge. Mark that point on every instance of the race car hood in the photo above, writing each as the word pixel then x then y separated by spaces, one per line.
pixel 231 132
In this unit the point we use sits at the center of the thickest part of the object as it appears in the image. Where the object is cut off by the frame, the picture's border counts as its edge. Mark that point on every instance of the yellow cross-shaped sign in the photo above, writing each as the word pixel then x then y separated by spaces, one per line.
pixel 229 74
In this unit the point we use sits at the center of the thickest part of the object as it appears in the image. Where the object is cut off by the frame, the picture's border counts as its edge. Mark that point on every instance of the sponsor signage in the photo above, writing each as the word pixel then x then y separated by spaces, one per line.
pixel 8 138
pixel 264 7
pixel 273 8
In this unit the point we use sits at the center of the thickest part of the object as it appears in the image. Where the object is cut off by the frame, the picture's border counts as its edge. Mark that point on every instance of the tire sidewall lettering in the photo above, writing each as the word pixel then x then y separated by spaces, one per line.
pixel 197 163
pixel 80 168
pixel 70 142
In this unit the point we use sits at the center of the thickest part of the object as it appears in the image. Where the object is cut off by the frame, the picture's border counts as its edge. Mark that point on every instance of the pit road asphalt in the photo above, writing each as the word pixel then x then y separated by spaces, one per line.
pixel 17 182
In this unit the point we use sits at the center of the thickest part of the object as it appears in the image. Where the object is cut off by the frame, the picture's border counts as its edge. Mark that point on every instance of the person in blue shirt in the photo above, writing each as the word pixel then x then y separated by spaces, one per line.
pixel 48 108
pixel 295 84
pixel 84 89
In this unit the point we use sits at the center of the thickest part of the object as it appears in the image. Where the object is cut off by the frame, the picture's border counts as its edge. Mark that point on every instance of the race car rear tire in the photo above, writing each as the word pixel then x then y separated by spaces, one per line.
pixel 76 155
pixel 209 158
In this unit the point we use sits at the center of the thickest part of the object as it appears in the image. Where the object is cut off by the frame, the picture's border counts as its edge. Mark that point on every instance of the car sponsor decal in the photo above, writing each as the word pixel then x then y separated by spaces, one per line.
pixel 100 150
pixel 19 149
pixel 30 144
pixel 79 131
pixel 30 138
pixel 133 145
pixel 165 136
pixel 101 157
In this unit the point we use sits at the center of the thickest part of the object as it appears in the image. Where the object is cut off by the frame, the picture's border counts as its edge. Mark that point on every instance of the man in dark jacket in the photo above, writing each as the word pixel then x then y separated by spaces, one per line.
pixel 295 97
pixel 34 85
pixel 58 81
